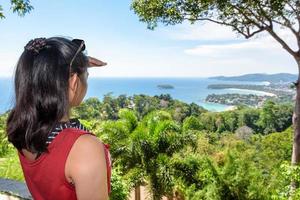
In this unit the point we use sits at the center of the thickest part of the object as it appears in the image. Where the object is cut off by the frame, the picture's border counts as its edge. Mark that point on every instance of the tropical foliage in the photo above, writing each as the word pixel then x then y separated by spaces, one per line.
pixel 182 151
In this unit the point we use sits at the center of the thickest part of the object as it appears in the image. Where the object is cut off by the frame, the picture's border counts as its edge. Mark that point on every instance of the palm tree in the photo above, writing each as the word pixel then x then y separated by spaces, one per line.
pixel 118 133
pixel 158 137
pixel 144 149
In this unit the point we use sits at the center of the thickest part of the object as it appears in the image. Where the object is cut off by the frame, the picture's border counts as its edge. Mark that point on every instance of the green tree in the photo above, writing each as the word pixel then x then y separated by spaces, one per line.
pixel 110 107
pixel 267 117
pixel 274 117
pixel 145 104
pixel 196 110
pixel 143 149
pixel 209 121
pixel 230 120
pixel 119 188
pixel 125 154
pixel 123 101
pixel 5 146
pixel 160 138
pixel 180 110
pixel 90 109
pixel 249 117
pixel 21 7
pixel 192 123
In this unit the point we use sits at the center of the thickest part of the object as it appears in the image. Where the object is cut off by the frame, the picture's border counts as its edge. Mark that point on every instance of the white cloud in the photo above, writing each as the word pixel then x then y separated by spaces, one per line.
pixel 231 57
pixel 212 32
pixel 199 31
pixel 221 49
pixel 263 45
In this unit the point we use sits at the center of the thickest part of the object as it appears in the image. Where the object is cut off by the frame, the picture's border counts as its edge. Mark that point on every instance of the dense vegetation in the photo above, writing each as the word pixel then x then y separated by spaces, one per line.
pixel 237 99
pixel 182 150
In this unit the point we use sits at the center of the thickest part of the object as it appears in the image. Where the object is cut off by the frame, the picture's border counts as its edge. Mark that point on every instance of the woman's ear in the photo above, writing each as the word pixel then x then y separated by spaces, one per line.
pixel 73 84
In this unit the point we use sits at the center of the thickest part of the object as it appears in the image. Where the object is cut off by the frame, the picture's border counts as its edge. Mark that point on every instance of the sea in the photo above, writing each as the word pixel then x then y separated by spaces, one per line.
pixel 185 89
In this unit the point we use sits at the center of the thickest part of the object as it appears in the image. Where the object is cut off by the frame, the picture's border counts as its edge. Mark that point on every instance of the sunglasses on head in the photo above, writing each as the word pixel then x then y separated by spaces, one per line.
pixel 92 62
pixel 81 47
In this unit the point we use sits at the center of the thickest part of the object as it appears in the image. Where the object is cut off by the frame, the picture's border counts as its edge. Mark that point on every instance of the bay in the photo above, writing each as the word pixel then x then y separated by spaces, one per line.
pixel 185 89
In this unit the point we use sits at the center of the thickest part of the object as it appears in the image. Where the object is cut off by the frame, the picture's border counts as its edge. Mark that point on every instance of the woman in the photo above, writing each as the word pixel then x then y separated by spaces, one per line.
pixel 59 157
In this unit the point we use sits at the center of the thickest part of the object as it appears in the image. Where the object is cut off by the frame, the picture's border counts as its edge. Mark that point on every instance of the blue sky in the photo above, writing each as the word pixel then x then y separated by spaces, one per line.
pixel 113 33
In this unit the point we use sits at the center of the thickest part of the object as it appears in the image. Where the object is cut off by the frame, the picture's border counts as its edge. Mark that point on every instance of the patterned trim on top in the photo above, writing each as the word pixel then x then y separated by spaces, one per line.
pixel 72 123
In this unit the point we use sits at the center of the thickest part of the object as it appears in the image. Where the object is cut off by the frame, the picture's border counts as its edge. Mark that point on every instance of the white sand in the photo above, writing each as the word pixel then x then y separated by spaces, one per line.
pixel 253 92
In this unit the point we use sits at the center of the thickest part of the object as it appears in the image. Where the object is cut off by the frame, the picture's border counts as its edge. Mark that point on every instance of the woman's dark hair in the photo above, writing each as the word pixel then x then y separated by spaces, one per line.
pixel 41 92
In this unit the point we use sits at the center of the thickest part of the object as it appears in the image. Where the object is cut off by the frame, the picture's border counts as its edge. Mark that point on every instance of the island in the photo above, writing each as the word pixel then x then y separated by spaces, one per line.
pixel 165 86
pixel 259 77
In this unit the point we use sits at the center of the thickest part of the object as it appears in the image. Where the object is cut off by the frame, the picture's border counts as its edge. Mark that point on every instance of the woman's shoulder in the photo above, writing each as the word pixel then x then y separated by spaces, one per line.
pixel 86 149
pixel 87 141
pixel 86 165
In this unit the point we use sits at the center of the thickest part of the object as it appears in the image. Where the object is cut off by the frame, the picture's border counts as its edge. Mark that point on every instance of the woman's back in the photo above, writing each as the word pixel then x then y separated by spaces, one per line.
pixel 47 176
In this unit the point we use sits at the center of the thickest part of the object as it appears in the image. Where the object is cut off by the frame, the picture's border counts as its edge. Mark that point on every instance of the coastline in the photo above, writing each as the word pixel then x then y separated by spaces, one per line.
pixel 187 90
pixel 215 107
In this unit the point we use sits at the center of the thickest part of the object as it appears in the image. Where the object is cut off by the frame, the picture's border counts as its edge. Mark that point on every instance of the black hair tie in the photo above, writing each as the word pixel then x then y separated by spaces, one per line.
pixel 35 45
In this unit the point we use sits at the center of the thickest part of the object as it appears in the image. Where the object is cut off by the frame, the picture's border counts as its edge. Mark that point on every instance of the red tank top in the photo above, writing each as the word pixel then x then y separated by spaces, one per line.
pixel 45 176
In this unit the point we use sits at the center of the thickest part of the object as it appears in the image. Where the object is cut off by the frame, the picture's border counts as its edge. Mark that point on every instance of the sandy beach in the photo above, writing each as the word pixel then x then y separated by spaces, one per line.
pixel 253 92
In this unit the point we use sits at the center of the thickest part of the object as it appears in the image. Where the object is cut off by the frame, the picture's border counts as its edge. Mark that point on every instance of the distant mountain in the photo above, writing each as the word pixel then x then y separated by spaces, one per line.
pixel 273 78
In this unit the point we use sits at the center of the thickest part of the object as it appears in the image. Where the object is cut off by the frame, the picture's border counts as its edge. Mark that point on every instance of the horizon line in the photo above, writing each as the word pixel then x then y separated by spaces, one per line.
pixel 176 76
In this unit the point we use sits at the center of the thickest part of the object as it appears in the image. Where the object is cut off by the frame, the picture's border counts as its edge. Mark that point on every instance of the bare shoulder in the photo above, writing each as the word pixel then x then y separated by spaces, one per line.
pixel 86 148
pixel 86 167
pixel 87 142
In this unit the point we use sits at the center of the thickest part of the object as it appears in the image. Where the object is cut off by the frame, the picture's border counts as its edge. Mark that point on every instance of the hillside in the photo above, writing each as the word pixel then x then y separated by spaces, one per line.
pixel 272 78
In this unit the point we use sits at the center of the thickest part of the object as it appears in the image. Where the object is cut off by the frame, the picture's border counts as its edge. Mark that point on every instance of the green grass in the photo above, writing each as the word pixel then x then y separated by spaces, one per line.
pixel 10 166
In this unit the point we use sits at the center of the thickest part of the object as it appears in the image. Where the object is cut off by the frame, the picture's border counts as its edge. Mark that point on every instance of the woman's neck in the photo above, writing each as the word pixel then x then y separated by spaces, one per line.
pixel 65 118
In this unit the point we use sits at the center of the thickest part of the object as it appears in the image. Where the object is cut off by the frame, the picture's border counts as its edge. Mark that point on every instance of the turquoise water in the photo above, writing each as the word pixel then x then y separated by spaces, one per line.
pixel 185 89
